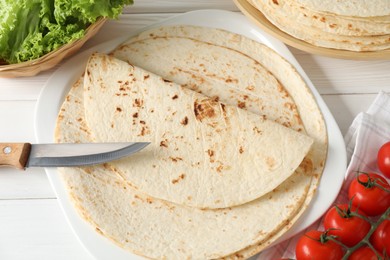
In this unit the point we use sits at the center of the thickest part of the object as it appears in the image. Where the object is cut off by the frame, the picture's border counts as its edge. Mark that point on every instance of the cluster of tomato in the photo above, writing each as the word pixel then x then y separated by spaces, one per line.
pixel 359 230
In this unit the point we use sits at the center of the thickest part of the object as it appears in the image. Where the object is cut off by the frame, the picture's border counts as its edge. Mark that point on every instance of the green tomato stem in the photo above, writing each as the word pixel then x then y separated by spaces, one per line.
pixel 366 239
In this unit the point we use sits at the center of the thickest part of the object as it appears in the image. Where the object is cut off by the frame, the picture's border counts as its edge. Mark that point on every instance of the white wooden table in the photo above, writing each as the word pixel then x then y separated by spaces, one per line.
pixel 32 225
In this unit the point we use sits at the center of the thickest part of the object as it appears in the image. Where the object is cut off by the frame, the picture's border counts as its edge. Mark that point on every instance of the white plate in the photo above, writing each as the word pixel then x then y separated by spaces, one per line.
pixel 60 82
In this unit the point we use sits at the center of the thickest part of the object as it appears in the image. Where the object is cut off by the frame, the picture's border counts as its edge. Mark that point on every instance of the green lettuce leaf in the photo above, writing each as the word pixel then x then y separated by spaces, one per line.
pixel 31 28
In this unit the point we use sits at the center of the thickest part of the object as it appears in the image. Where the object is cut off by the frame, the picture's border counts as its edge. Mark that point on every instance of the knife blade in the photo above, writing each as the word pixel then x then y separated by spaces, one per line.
pixel 22 155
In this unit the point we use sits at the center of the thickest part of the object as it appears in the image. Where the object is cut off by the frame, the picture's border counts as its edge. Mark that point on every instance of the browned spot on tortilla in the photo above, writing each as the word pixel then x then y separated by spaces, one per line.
pixel 275 2
pixel 241 104
pixel 138 197
pixel 142 122
pixel 120 81
pixel 146 77
pixel 112 125
pixel 205 108
pixel 223 107
pixel 189 198
pixel 144 130
pixel 166 80
pixel 307 166
pixel 241 150
pixel 323 19
pixel 221 167
pixel 138 102
pixel 174 181
pixel 85 129
pixel 256 130
pixel 135 115
pixel 175 159
pixel 184 121
pixel 119 109
pixel 333 25
pixel 288 124
pixel 149 200
pixel 315 16
pixel 210 152
pixel 230 80
pixel 175 97
pixel 164 143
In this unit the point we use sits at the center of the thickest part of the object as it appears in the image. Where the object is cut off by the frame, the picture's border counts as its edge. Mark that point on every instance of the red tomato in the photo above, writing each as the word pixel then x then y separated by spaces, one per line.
pixel 383 159
pixel 380 239
pixel 311 246
pixel 363 253
pixel 349 230
pixel 368 197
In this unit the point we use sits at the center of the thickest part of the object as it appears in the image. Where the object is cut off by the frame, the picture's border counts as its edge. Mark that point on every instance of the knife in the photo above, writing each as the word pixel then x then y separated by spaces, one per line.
pixel 22 155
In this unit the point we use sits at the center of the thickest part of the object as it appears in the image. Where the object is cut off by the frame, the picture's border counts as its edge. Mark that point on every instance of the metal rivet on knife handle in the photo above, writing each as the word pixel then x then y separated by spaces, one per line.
pixel 14 154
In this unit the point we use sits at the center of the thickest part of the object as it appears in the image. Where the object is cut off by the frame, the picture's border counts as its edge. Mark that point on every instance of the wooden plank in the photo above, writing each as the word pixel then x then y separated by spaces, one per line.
pixel 32 183
pixel 18 126
pixel 37 229
pixel 17 123
pixel 337 76
pixel 347 106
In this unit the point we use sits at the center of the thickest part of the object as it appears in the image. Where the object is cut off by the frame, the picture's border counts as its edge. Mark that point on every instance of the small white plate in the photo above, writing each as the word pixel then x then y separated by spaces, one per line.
pixel 59 83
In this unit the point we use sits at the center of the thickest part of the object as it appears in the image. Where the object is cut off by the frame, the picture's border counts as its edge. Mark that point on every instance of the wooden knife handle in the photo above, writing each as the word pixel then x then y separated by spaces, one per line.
pixel 14 154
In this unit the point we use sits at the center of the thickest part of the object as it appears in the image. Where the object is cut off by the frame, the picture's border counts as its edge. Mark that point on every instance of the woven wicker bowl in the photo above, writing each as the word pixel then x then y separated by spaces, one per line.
pixel 33 67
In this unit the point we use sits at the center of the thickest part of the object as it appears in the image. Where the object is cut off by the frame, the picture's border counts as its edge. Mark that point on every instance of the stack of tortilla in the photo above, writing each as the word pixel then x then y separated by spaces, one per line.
pixel 355 25
pixel 238 144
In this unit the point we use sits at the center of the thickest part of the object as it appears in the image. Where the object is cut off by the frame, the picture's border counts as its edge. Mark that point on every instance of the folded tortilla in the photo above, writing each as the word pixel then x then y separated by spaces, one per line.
pixel 203 153
pixel 158 229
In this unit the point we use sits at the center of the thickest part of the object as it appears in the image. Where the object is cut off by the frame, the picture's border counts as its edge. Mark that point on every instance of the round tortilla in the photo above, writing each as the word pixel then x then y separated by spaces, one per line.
pixel 158 229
